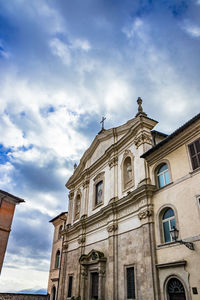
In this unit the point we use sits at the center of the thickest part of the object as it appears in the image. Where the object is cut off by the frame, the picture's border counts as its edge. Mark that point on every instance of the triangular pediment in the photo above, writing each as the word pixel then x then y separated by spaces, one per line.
pixel 105 141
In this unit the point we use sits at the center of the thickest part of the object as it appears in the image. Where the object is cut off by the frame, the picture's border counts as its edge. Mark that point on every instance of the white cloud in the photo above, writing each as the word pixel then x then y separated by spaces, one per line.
pixel 192 29
pixel 82 44
pixel 61 50
pixel 134 28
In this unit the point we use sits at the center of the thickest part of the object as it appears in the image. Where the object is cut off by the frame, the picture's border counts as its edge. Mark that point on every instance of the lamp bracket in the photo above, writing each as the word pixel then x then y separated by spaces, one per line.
pixel 187 244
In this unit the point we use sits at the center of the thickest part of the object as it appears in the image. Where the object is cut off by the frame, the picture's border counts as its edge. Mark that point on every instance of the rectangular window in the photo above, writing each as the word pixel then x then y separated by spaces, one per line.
pixel 130 283
pixel 69 293
pixel 194 149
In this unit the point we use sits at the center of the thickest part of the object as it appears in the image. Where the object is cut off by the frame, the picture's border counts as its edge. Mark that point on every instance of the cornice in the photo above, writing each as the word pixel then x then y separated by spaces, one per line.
pixel 115 205
pixel 178 141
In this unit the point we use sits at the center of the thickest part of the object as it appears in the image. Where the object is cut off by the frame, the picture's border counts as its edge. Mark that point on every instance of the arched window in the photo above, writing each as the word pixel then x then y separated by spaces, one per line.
pixel 175 290
pixel 127 170
pixel 77 207
pixel 59 232
pixel 57 260
pixel 162 174
pixel 53 293
pixel 168 222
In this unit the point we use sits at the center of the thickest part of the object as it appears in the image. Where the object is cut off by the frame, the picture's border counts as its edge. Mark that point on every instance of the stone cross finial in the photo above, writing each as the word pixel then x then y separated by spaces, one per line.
pixel 75 166
pixel 102 122
pixel 140 109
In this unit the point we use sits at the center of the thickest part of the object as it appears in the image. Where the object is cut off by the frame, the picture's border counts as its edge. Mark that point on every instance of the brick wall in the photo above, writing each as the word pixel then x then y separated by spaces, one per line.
pixel 6 215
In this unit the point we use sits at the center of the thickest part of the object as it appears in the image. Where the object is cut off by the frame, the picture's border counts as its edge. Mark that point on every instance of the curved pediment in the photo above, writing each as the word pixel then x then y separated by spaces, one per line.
pixel 93 257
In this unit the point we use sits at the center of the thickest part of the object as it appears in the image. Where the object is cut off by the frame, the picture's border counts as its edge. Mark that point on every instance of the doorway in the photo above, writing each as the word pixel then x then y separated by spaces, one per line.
pixel 175 290
pixel 94 285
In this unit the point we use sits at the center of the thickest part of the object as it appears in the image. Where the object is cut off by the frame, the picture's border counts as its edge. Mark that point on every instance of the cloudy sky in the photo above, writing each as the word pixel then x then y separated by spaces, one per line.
pixel 64 64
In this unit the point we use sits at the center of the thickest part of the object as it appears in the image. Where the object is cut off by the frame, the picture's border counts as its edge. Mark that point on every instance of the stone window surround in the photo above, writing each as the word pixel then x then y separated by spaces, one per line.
pixel 57 259
pixel 78 193
pixel 155 169
pixel 127 153
pixel 125 281
pixel 97 179
pixel 159 225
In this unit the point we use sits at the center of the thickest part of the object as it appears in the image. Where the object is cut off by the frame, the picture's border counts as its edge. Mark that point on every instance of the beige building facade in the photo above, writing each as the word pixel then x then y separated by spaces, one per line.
pixel 133 190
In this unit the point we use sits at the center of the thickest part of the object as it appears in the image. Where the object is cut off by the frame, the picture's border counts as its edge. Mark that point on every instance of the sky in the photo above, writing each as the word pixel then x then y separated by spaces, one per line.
pixel 63 65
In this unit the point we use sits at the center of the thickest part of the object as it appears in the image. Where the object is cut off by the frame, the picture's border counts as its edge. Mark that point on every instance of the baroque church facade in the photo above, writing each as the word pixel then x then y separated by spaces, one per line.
pixel 132 230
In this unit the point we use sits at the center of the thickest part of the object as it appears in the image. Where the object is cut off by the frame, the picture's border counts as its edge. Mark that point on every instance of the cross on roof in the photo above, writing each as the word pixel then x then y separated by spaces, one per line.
pixel 102 122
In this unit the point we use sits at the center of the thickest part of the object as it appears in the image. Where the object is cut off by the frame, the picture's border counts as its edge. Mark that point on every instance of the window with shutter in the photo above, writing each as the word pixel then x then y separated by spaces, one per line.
pixel 194 149
pixel 130 277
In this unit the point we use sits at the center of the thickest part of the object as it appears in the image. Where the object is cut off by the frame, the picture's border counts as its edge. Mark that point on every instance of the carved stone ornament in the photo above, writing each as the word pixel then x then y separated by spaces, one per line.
pixel 145 214
pixel 99 176
pixel 65 247
pixel 86 183
pixel 71 195
pixel 143 138
pixel 84 273
pixel 112 227
pixel 81 240
pixel 113 162
pixel 93 257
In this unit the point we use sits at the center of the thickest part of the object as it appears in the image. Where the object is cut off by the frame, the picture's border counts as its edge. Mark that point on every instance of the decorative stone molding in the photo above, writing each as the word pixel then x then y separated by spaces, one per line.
pixel 113 162
pixel 81 240
pixel 142 139
pixel 86 183
pixel 71 195
pixel 94 257
pixel 145 214
pixel 112 227
pixel 64 247
pixel 98 177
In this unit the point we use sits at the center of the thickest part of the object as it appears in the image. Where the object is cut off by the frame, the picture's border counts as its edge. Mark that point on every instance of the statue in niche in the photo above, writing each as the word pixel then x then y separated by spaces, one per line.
pixel 128 172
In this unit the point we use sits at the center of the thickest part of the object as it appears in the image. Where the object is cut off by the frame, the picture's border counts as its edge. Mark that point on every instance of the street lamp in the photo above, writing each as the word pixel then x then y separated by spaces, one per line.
pixel 174 234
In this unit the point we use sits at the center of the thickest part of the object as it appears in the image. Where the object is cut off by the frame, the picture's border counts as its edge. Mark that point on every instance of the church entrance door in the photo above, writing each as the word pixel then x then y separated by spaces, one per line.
pixel 175 290
pixel 94 285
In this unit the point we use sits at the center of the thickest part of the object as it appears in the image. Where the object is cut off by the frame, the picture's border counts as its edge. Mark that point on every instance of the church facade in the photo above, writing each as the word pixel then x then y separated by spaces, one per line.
pixel 133 224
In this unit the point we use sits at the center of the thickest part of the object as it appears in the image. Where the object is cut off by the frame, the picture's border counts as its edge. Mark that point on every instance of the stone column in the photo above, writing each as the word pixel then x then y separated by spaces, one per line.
pixel 70 209
pixel 113 164
pixel 86 195
pixel 112 261
pixel 62 278
pixel 84 275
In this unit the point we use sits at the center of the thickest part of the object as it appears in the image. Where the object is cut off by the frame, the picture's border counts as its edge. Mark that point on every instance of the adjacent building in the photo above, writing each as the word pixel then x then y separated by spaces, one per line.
pixel 59 223
pixel 7 209
pixel 133 224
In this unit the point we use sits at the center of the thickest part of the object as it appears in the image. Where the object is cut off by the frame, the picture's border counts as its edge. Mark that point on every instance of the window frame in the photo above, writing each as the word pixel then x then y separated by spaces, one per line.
pixel 159 174
pixel 196 154
pixel 57 259
pixel 72 277
pixel 159 225
pixel 126 267
pixel 59 232
pixel 100 177
pixel 167 220
pixel 155 171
